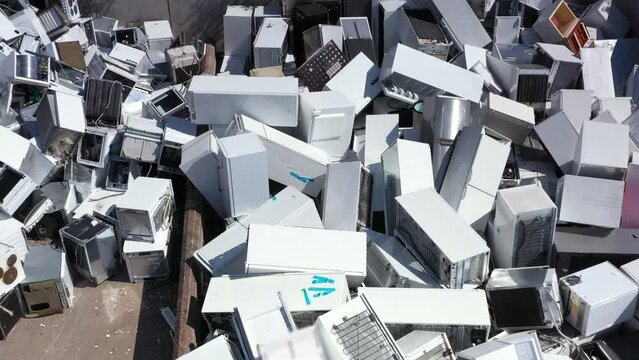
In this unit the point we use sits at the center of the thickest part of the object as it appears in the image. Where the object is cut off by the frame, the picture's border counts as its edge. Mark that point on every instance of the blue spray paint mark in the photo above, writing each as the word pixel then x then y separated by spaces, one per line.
pixel 322 280
pixel 274 198
pixel 306 298
pixel 302 178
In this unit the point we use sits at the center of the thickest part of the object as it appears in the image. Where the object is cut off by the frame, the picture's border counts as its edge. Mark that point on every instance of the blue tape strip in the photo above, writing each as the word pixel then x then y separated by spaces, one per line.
pixel 302 178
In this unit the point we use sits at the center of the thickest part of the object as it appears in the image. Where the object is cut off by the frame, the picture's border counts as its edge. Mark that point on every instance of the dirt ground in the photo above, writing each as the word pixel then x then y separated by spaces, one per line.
pixel 116 320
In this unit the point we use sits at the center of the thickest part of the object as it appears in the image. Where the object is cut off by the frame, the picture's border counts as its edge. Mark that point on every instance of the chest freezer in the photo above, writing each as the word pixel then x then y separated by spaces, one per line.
pixel 473 175
pixel 291 162
pixel 507 118
pixel 276 248
pixel 523 227
pixel 226 253
pixel 301 344
pixel 402 80
pixel 440 238
pixel 358 81
pixel 307 295
pixel 461 314
pixel 602 150
pixel 216 99
pixel 390 264
pixel 237 23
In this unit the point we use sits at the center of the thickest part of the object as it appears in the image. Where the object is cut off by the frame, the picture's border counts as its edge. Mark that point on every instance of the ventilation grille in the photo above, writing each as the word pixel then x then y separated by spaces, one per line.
pixel 103 102
pixel 322 66
pixel 352 48
pixel 362 338
pixel 379 271
pixel 533 241
pixel 425 248
pixel 53 19
pixel 532 88
pixel 365 199
pixel 305 319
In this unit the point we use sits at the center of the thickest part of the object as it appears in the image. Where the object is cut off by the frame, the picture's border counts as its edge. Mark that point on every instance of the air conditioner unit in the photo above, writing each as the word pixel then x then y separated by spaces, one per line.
pixel 346 198
pixel 200 157
pixel 460 23
pixel 564 67
pixel 276 248
pixel 602 150
pixel 291 162
pixel 402 80
pixel 262 320
pixel 142 140
pixel 519 346
pixel 441 239
pixel 307 295
pixel 237 30
pixel 92 247
pixel 326 121
pixel 159 38
pixel 166 103
pixel 226 253
pixel 523 227
pixel 101 204
pixel 473 175
pixel 145 260
pixel 319 35
pixel 525 298
pixel 461 314
pixel 88 28
pixel 128 36
pixel 15 188
pixel 26 21
pixel 357 38
pixel 407 167
pixel 578 204
pixel 560 138
pixel 184 63
pixel 103 26
pixel 390 264
pixel 220 348
pixel 507 118
pixel 598 298
pixel 62 123
pixel 93 149
pixel 382 131
pixel 47 288
pixel 355 331
pixel 120 172
pixel 571 102
pixel 11 310
pixel 55 203
pixel 216 99
pixel 301 344
pixel 425 345
pixel 177 133
pixel 11 271
pixel 24 68
pixel 322 66
pixel 146 209
pixel 358 81
pixel 270 44
pixel 419 30
pixel 103 101
pixel 53 19
pixel 129 58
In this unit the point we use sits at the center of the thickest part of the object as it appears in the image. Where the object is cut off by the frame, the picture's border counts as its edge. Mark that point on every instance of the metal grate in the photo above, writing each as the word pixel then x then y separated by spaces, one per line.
pixel 322 66
pixel 362 338
pixel 533 242
pixel 532 88
pixel 379 271
pixel 426 250
pixel 364 205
